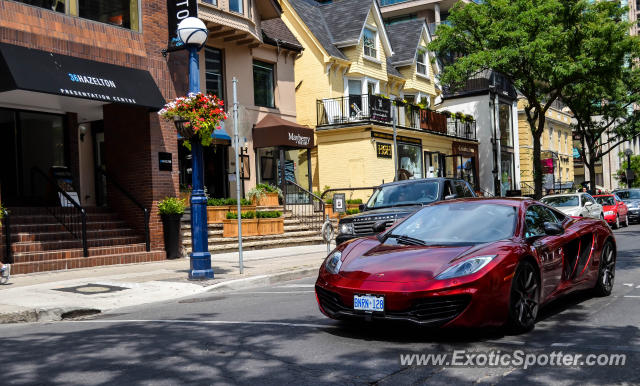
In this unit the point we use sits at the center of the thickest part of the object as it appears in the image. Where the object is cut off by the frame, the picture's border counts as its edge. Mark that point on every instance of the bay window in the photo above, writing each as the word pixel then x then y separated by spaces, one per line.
pixel 235 5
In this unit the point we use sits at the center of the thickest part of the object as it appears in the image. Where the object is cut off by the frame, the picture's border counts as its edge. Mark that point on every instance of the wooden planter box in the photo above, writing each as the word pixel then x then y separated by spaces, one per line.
pixel 353 206
pixel 269 199
pixel 270 226
pixel 328 211
pixel 186 196
pixel 215 214
pixel 244 208
pixel 249 227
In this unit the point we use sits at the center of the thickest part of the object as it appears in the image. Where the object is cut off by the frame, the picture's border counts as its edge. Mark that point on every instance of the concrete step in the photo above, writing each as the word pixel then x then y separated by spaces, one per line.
pixel 25 257
pixel 55 226
pixel 38 246
pixel 51 236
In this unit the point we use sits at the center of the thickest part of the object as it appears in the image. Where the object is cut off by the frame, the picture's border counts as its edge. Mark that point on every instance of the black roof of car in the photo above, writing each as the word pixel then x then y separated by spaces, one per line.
pixel 439 179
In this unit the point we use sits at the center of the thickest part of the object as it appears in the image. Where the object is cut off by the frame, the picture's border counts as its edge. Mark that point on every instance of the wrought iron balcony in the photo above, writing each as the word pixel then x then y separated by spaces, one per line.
pixel 374 109
pixel 489 80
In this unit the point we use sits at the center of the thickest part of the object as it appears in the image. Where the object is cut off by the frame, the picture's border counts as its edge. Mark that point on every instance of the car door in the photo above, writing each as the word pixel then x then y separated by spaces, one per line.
pixel 462 189
pixel 594 209
pixel 548 248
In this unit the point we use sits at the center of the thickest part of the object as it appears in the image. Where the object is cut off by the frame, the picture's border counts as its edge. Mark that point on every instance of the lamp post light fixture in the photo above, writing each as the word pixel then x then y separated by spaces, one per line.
pixel 193 34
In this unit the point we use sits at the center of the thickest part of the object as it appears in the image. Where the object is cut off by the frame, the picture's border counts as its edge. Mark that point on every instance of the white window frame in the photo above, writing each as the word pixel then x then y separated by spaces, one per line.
pixel 426 61
pixel 375 42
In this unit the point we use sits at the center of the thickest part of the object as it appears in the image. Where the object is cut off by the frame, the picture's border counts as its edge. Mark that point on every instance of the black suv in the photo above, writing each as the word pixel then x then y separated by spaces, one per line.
pixel 631 197
pixel 397 200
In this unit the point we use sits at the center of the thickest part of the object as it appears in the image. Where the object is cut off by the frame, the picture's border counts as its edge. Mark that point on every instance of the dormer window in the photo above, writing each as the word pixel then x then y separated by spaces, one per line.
pixel 370 43
pixel 421 61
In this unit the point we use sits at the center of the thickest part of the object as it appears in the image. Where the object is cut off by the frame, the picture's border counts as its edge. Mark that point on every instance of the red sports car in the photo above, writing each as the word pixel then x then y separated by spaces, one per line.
pixel 469 263
pixel 615 210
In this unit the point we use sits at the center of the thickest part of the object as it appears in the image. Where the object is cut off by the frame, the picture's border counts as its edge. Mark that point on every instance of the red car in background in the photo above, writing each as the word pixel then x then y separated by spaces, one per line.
pixel 615 210
pixel 468 263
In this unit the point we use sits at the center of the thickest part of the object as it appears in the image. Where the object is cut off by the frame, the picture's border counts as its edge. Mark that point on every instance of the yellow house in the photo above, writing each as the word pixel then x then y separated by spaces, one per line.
pixel 556 150
pixel 354 78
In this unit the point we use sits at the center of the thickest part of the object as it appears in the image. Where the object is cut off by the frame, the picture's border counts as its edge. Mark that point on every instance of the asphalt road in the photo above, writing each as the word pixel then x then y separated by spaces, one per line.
pixel 276 335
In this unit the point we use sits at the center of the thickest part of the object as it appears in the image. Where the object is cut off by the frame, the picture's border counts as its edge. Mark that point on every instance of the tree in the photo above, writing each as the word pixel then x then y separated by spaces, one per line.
pixel 537 44
pixel 635 167
pixel 604 107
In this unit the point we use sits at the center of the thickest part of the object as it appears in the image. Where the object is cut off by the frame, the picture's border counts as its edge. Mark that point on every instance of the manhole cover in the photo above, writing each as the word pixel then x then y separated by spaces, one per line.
pixel 91 289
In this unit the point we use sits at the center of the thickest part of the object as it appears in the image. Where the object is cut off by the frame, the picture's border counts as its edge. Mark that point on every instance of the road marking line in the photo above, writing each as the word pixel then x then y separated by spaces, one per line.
pixel 298 286
pixel 632 296
pixel 638 286
pixel 273 292
pixel 231 322
pixel 628 284
pixel 562 344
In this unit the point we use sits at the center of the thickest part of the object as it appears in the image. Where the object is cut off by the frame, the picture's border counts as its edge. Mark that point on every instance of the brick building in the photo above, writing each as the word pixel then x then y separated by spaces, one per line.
pixel 80 82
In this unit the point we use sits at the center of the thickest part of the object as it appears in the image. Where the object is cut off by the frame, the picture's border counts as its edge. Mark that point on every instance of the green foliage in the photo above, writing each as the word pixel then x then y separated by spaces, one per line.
pixel 354 201
pixel 227 201
pixel 259 191
pixel 353 211
pixel 216 202
pixel 541 46
pixel 245 215
pixel 635 167
pixel 328 201
pixel 269 214
pixel 171 205
pixel 2 209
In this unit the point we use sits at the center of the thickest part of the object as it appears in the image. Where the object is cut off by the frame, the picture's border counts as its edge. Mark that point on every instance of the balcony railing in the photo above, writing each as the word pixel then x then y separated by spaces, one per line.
pixel 491 79
pixel 359 109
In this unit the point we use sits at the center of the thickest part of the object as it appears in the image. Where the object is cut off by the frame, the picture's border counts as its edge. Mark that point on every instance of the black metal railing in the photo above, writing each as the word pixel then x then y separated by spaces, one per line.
pixel 355 109
pixel 303 205
pixel 554 187
pixel 6 226
pixel 145 211
pixel 69 213
pixel 482 82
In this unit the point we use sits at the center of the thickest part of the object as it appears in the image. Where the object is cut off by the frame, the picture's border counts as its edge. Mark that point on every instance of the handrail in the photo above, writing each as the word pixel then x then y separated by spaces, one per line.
pixel 7 234
pixel 62 215
pixel 343 189
pixel 128 195
pixel 299 207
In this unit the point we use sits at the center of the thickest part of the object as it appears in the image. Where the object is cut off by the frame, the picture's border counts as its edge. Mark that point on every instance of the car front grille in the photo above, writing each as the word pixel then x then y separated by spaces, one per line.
pixel 365 227
pixel 433 311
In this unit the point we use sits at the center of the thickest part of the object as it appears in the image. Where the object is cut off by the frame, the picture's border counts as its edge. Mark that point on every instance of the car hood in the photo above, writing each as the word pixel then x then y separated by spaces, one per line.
pixel 632 203
pixel 369 260
pixel 568 209
pixel 607 208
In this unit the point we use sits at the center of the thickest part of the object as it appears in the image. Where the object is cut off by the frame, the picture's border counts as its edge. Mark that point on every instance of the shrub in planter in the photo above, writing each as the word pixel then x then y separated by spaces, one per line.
pixel 265 195
pixel 270 222
pixel 171 210
pixel 249 224
pixel 217 208
pixel 353 211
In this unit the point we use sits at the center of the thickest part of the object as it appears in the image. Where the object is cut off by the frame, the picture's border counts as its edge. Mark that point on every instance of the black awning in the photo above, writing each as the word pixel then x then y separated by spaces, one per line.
pixel 29 69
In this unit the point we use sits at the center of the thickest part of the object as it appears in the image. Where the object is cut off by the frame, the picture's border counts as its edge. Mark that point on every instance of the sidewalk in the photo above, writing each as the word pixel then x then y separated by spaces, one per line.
pixel 50 296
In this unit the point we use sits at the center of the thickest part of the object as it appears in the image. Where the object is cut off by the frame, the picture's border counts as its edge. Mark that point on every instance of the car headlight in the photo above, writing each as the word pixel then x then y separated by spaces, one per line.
pixel 333 262
pixel 466 267
pixel 633 205
pixel 609 213
pixel 346 228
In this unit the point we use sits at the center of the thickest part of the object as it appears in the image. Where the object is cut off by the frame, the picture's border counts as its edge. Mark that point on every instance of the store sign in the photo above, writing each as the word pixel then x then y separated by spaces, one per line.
pixel 383 150
pixel 399 138
pixel 339 203
pixel 165 161
pixel 179 10
pixel 299 139
pixel 380 108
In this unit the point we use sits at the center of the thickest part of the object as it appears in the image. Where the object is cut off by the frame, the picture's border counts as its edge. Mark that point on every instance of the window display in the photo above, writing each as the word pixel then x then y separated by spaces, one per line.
pixel 410 161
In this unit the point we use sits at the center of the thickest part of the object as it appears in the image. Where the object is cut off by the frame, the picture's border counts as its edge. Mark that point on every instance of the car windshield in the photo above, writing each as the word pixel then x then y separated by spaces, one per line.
pixel 629 194
pixel 560 201
pixel 605 200
pixel 456 223
pixel 404 194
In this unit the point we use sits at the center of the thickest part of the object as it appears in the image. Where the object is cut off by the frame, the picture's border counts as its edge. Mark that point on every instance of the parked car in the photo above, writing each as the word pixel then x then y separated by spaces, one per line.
pixel 615 210
pixel 397 200
pixel 575 205
pixel 631 197
pixel 468 263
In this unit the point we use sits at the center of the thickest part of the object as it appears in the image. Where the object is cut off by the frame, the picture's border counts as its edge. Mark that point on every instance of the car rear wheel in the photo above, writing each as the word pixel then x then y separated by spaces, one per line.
pixel 525 298
pixel 607 271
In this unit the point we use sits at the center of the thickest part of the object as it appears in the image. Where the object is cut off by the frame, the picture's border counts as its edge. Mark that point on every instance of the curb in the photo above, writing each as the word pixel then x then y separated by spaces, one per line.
pixel 61 313
pixel 262 280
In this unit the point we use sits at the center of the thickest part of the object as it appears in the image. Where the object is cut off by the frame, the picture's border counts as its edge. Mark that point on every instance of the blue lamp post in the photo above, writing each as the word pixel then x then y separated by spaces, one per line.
pixel 193 34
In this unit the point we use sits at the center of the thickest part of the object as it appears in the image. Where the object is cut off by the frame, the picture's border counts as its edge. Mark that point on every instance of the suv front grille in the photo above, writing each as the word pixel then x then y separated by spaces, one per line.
pixel 366 227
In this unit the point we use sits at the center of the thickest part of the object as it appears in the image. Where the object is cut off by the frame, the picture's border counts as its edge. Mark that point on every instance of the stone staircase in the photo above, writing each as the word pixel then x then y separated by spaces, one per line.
pixel 40 243
pixel 296 233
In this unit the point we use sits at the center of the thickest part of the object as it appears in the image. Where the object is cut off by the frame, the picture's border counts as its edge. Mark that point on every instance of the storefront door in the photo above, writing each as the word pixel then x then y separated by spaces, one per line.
pixel 28 140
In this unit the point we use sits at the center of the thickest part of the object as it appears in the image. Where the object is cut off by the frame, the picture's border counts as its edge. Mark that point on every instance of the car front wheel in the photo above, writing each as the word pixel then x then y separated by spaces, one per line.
pixel 525 298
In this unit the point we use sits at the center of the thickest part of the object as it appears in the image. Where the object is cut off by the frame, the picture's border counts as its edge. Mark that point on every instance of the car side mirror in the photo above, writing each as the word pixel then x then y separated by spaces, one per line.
pixel 380 226
pixel 553 229
pixel 588 203
pixel 362 207
pixel 451 197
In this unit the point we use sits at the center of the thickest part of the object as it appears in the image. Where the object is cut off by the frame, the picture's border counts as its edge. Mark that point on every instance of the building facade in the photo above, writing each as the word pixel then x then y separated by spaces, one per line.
pixel 355 77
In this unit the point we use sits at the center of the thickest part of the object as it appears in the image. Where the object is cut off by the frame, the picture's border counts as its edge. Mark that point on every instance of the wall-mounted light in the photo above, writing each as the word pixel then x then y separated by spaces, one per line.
pixel 83 131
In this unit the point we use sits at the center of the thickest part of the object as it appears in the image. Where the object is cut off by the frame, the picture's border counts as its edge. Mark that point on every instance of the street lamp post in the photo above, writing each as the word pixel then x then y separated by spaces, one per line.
pixel 628 153
pixel 193 34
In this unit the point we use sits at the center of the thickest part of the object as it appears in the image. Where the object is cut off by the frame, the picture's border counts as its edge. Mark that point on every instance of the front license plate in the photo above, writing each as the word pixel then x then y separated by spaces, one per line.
pixel 368 303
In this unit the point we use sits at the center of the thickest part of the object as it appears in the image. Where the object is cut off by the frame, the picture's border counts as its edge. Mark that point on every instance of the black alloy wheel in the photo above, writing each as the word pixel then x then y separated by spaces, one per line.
pixel 525 298
pixel 607 271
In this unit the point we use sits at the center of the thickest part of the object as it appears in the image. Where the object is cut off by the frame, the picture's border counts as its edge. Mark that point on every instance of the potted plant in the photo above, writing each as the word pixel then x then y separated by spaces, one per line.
pixel 171 210
pixel 265 195
pixel 354 203
pixel 217 208
pixel 195 116
pixel 270 222
pixel 249 224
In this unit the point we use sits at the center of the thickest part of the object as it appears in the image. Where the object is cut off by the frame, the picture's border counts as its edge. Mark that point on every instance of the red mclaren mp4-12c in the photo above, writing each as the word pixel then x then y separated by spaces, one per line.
pixel 468 263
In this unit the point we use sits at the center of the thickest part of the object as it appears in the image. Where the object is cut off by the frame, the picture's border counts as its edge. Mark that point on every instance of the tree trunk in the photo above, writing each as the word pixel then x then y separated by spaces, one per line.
pixel 592 176
pixel 537 168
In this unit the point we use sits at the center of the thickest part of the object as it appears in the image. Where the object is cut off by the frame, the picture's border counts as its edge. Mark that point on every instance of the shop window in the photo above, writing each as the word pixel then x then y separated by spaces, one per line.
pixel 421 66
pixel 369 42
pixel 263 84
pixel 54 5
pixel 235 5
pixel 506 135
pixel 410 157
pixel 507 167
pixel 121 13
pixel 213 72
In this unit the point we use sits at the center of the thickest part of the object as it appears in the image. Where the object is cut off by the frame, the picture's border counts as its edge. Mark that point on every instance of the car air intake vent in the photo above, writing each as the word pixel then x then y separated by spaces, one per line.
pixel 434 309
pixel 330 301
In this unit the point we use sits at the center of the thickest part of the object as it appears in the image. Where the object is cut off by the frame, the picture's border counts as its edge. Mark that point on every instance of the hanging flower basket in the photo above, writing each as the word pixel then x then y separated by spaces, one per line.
pixel 195 116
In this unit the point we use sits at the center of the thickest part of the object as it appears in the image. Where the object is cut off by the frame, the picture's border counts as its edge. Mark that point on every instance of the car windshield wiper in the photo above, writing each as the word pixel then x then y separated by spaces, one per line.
pixel 404 239
pixel 394 205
